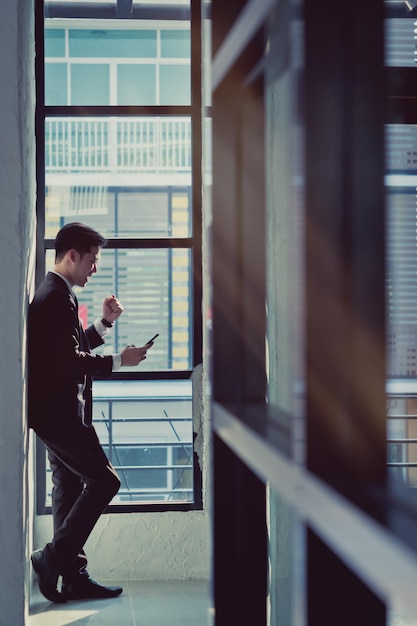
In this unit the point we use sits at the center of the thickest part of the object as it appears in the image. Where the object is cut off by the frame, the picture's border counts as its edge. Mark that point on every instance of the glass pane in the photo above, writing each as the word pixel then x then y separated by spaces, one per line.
pixel 136 84
pixel 146 430
pixel 54 42
pixel 112 43
pixel 120 63
pixel 175 43
pixel 90 84
pixel 128 177
pixel 175 85
pixel 56 91
pixel 154 288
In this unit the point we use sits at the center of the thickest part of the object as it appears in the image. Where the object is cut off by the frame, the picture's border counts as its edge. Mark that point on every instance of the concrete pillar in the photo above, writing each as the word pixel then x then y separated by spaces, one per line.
pixel 17 211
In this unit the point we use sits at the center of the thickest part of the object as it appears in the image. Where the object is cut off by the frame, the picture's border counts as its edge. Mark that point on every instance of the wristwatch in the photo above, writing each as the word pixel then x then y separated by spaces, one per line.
pixel 106 323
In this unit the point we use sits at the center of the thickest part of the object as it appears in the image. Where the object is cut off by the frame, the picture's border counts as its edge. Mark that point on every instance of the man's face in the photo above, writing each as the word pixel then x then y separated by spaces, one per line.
pixel 85 266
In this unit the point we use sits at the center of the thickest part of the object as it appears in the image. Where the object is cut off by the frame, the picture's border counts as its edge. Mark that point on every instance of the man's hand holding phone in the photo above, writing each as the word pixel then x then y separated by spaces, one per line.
pixel 132 355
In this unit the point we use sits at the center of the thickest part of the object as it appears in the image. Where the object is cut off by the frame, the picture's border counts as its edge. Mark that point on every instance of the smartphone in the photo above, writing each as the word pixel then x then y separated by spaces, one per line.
pixel 154 337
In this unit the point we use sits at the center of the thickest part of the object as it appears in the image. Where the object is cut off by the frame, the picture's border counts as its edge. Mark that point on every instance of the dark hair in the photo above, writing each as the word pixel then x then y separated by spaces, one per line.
pixel 78 237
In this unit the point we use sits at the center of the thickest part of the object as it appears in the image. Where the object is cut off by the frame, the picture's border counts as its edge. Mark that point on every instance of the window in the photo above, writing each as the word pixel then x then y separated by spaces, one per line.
pixel 401 185
pixel 119 149
pixel 141 63
pixel 401 252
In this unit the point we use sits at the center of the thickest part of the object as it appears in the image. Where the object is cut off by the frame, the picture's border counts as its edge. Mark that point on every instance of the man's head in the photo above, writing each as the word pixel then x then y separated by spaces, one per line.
pixel 78 237
pixel 77 249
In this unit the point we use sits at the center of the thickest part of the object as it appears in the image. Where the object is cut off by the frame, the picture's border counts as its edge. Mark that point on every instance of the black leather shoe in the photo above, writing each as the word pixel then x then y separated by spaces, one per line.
pixel 85 588
pixel 47 577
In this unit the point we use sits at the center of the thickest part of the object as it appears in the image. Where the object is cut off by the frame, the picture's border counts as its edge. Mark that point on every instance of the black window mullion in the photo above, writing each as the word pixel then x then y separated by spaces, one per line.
pixel 40 143
pixel 105 10
pixel 128 111
pixel 123 243
pixel 196 177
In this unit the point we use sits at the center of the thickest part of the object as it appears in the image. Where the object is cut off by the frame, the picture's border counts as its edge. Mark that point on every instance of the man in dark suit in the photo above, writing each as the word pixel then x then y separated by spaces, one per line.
pixel 61 368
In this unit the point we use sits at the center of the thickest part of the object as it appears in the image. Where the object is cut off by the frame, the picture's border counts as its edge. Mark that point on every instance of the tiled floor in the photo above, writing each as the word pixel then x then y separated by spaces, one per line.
pixel 147 603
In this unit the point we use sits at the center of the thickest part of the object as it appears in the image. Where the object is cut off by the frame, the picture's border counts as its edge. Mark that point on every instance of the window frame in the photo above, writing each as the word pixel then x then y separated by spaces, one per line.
pixel 192 243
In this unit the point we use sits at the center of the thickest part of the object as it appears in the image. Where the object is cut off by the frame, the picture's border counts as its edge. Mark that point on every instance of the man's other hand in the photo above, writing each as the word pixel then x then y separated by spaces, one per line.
pixel 112 308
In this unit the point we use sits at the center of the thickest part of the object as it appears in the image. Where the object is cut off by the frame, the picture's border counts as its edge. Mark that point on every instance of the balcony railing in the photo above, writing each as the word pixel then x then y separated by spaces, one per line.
pixel 402 430
pixel 146 430
pixel 118 145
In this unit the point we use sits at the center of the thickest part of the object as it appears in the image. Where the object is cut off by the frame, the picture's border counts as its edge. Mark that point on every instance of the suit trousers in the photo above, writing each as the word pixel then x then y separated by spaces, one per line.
pixel 84 482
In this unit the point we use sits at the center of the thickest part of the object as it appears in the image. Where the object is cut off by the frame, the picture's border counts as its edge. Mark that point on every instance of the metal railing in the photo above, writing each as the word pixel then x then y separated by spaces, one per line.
pixel 402 430
pixel 118 145
pixel 146 430
pixel 172 474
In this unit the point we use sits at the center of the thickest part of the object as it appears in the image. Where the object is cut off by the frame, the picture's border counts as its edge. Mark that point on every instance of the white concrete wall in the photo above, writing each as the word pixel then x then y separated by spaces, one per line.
pixel 17 198
pixel 145 546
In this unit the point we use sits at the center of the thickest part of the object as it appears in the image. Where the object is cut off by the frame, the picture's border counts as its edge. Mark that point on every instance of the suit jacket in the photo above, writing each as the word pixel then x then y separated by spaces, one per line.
pixel 60 362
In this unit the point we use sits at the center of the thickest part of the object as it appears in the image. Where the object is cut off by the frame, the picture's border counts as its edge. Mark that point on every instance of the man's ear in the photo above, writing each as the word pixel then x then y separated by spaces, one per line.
pixel 72 255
